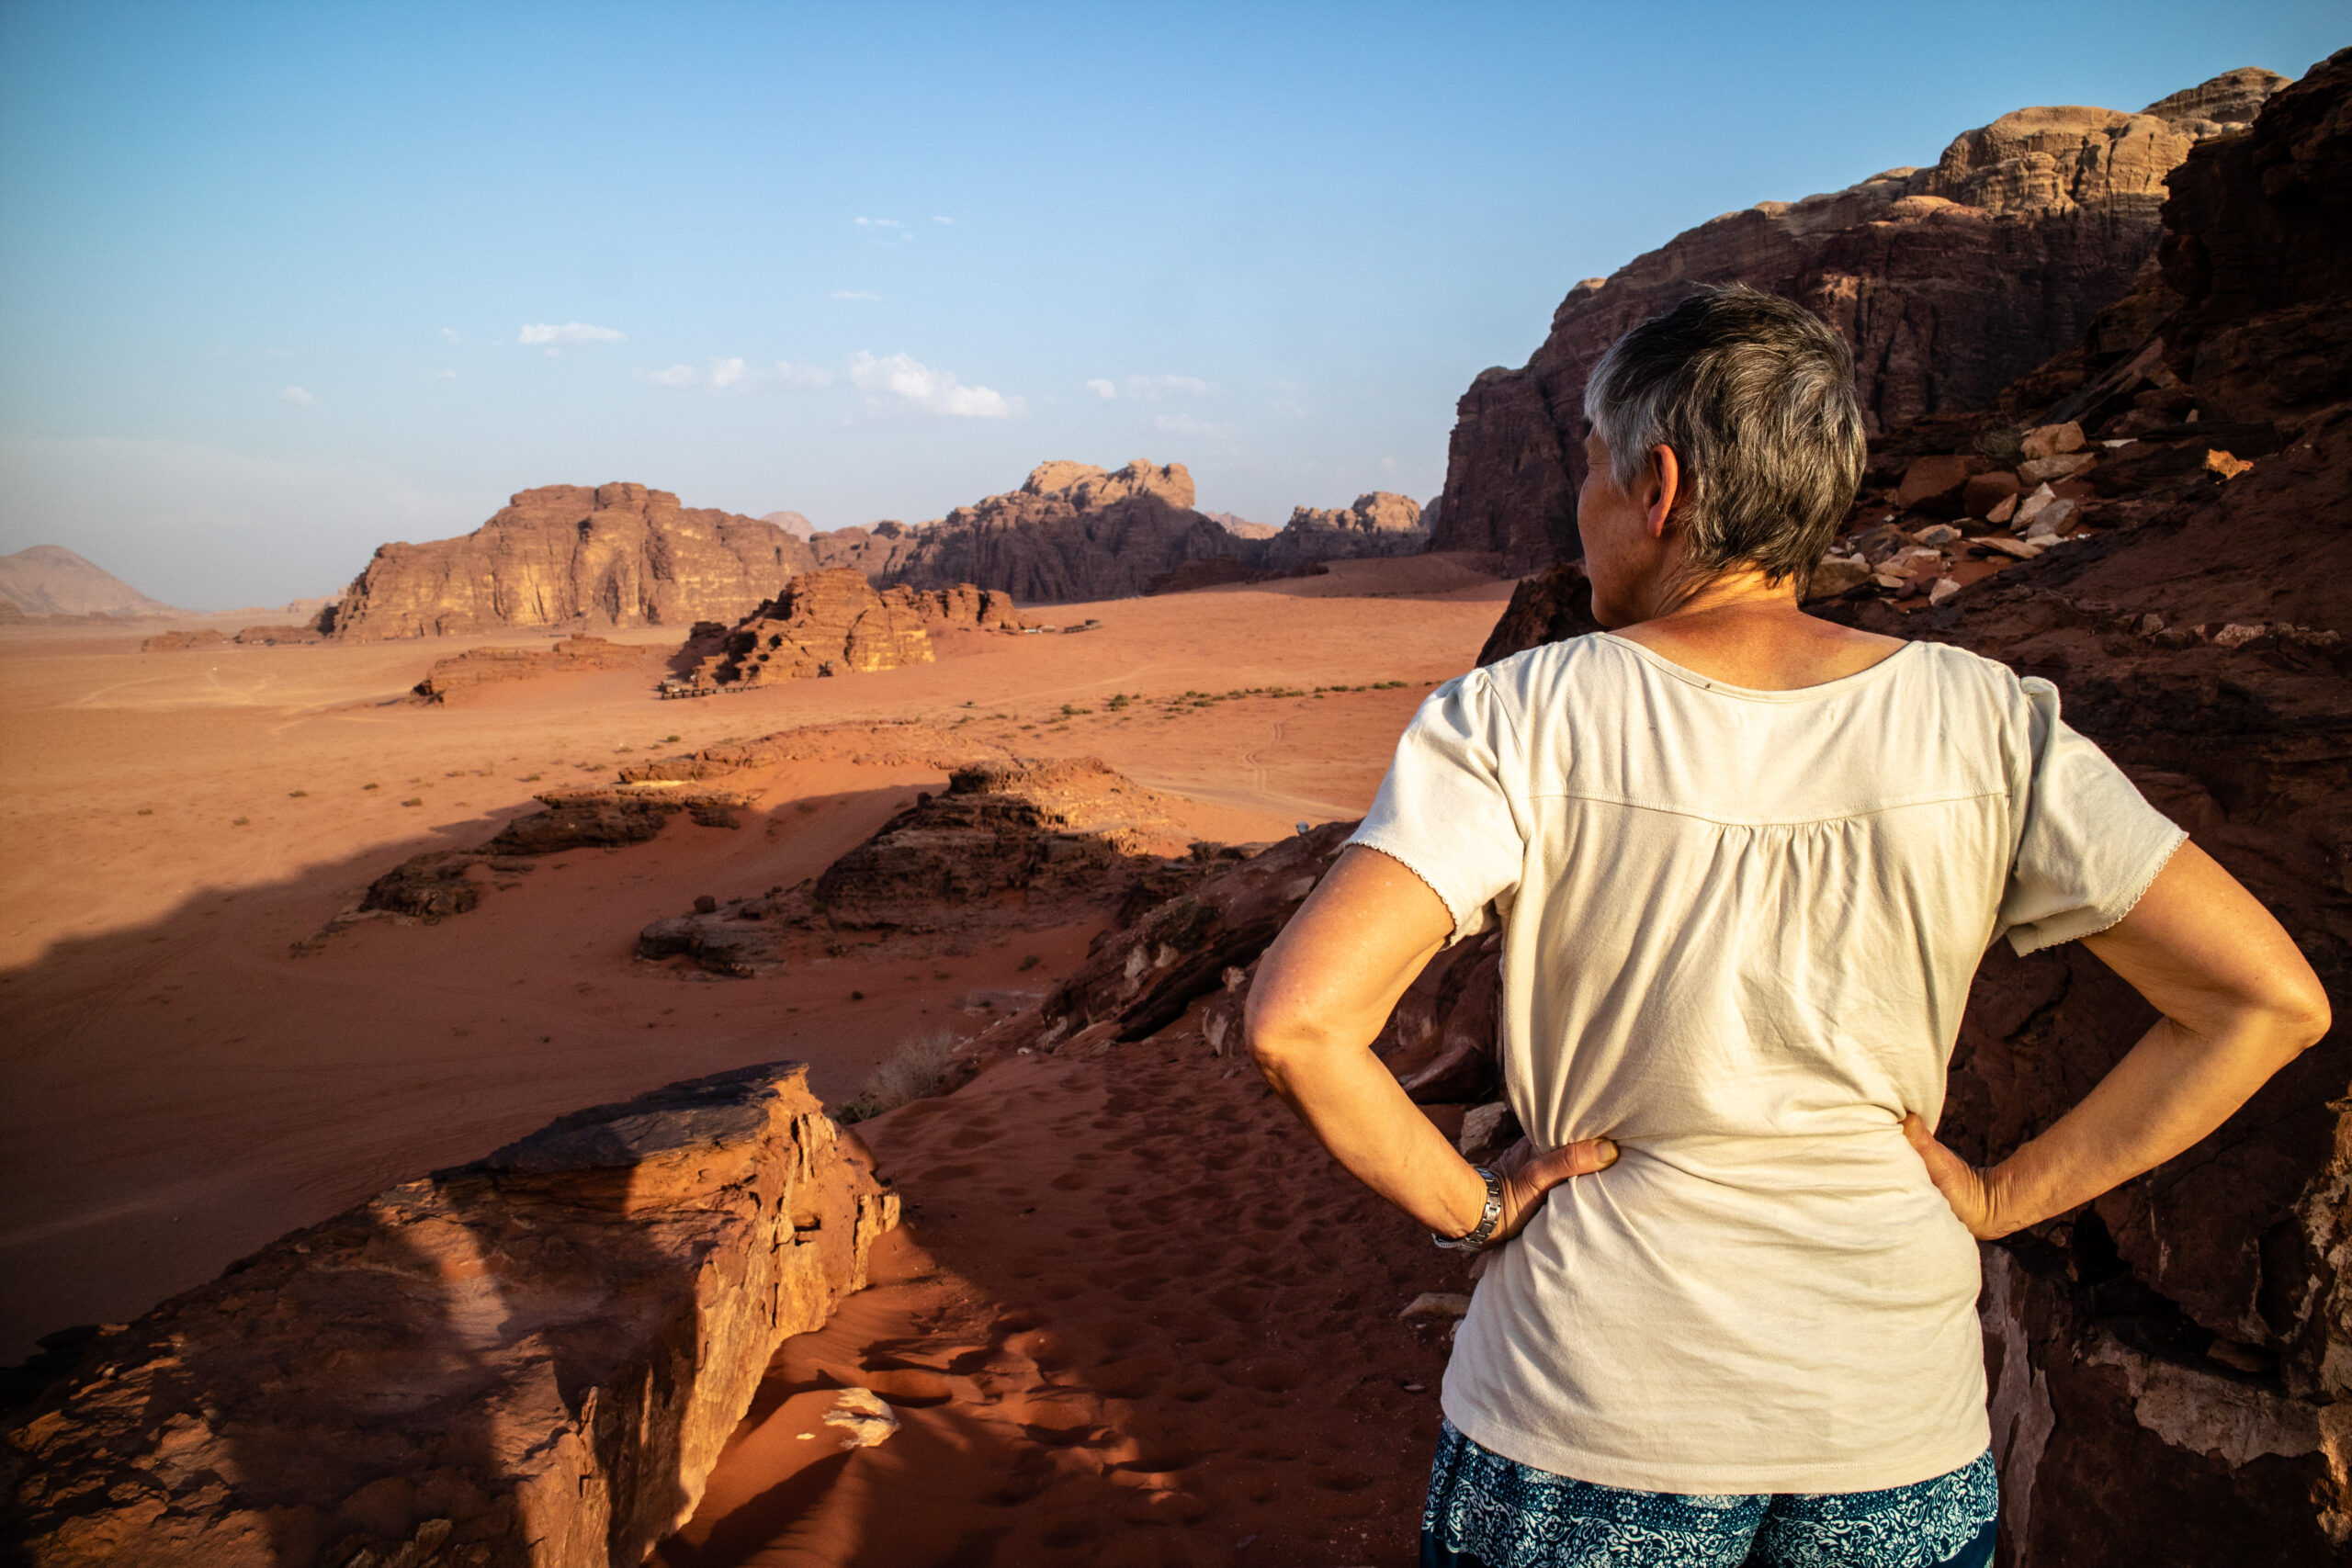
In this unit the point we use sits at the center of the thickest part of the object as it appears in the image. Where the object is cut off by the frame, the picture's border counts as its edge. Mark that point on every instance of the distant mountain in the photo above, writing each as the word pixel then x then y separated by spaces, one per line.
pixel 50 579
pixel 791 522
pixel 1241 528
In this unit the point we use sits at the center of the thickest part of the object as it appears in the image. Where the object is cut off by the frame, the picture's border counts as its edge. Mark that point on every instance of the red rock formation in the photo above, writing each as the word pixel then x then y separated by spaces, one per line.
pixel 832 622
pixel 1007 846
pixel 531 1359
pixel 181 642
pixel 1948 282
pixel 462 673
pixel 1380 523
pixel 619 555
pixel 1071 533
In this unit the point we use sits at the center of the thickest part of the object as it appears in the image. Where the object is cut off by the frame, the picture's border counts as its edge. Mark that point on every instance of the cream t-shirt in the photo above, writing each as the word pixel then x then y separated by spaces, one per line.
pixel 1740 928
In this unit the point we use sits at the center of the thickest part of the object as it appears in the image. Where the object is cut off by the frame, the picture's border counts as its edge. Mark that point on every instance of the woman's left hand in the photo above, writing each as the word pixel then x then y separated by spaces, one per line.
pixel 1963 1186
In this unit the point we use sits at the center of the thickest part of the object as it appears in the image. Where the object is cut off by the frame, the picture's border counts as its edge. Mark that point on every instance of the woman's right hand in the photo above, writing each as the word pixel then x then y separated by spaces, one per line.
pixel 1528 1177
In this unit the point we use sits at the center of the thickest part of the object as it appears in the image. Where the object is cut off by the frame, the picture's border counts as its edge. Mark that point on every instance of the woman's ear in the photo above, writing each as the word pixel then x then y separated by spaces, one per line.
pixel 1663 487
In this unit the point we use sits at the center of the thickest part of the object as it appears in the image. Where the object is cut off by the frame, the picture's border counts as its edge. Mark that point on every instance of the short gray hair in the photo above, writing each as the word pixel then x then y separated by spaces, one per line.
pixel 1755 397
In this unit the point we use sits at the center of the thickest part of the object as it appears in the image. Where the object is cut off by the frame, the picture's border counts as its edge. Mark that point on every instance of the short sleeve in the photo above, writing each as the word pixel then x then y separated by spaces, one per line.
pixel 2088 842
pixel 1444 809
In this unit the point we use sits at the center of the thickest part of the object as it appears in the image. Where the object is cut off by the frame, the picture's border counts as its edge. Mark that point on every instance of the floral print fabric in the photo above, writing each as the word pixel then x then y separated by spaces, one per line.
pixel 1485 1511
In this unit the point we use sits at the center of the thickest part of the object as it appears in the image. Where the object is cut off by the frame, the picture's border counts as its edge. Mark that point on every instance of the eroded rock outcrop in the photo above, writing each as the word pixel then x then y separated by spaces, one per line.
pixel 615 555
pixel 531 1359
pixel 462 674
pixel 832 622
pixel 1381 522
pixel 1008 845
pixel 441 883
pixel 1948 282
pixel 1071 533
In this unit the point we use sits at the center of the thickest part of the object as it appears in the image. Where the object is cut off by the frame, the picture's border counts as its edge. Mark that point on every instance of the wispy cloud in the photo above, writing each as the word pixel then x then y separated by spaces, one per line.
pixel 854 294
pixel 735 374
pixel 299 396
pixel 449 336
pixel 887 228
pixel 938 219
pixel 568 331
pixel 902 378
pixel 1149 389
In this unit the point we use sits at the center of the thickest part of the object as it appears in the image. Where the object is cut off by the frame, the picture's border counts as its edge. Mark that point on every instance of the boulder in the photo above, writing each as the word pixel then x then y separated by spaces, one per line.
pixel 2052 440
pixel 532 1358
pixel 1935 484
pixel 1987 490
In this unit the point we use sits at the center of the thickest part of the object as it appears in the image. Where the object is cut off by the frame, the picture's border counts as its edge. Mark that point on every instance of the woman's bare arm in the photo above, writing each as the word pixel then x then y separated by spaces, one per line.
pixel 2239 1001
pixel 1323 992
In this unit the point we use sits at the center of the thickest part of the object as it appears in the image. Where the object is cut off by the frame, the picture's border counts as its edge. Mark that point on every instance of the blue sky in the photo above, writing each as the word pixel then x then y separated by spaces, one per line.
pixel 280 283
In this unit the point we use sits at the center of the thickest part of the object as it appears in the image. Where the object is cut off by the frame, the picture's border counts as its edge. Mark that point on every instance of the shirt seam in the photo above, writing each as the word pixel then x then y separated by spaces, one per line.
pixel 1877 811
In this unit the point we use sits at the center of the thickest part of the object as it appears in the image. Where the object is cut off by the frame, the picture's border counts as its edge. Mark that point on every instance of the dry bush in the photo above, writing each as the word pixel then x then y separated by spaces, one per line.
pixel 910 1073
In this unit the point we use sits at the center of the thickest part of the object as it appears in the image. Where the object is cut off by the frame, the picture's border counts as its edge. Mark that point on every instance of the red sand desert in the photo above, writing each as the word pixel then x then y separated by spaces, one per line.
pixel 1130 1287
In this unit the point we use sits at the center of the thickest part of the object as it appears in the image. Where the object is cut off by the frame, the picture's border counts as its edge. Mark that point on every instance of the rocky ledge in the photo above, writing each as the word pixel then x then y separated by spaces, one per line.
pixel 534 1359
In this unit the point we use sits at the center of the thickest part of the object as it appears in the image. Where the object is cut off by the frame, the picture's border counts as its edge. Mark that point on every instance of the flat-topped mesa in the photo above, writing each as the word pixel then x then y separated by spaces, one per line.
pixel 575 556
pixel 1072 532
pixel 1948 282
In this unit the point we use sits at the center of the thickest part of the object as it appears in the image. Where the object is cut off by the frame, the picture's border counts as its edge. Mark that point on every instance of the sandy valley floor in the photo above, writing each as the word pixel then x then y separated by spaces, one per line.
pixel 183 1087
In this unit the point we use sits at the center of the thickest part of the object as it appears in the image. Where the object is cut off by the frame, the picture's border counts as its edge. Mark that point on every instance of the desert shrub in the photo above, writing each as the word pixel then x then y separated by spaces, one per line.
pixel 2001 442
pixel 911 1072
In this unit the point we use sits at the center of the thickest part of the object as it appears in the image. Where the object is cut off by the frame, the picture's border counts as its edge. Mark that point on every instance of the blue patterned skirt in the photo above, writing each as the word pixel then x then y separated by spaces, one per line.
pixel 1485 1511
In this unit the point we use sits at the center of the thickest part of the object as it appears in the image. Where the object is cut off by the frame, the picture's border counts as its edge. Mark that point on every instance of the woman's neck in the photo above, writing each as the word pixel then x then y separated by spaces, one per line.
pixel 1743 629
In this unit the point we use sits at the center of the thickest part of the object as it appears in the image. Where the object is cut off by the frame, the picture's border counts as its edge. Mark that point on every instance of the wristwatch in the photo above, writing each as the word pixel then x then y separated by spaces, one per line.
pixel 1483 1230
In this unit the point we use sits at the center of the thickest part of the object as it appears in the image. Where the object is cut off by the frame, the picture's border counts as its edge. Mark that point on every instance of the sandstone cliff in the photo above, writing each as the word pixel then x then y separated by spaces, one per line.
pixel 1948 282
pixel 1071 533
pixel 619 555
pixel 534 1358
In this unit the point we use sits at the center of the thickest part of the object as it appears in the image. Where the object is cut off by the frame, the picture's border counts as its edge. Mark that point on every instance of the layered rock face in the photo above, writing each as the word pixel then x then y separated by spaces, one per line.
pixel 1071 533
pixel 1948 282
pixel 1380 523
pixel 2171 1366
pixel 619 555
pixel 532 1360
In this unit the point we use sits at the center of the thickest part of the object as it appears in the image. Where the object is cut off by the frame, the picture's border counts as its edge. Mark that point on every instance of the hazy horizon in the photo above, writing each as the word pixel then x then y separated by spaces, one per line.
pixel 283 284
